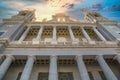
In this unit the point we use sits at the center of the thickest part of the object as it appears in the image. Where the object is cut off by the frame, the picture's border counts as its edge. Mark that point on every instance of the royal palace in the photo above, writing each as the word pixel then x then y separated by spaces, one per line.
pixel 59 49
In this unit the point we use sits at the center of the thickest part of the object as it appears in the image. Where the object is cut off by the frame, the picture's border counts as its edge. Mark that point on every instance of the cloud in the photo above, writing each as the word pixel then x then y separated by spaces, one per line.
pixel 44 8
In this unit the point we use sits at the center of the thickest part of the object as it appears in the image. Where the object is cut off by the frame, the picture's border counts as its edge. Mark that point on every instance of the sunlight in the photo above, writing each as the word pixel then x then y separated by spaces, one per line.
pixel 47 12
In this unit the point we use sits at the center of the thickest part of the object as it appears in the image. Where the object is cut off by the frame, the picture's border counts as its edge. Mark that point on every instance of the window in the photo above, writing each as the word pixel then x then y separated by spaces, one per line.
pixel 91 76
pixel 102 75
pixel 61 19
pixel 19 75
pixel 65 76
pixel 1 33
pixel 43 76
pixel 62 76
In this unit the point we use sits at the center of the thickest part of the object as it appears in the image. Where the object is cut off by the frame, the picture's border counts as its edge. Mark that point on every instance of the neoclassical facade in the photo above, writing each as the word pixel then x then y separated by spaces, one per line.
pixel 60 48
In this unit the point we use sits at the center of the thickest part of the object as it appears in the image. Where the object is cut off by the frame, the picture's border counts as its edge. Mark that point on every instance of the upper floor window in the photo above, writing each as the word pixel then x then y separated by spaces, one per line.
pixel 61 19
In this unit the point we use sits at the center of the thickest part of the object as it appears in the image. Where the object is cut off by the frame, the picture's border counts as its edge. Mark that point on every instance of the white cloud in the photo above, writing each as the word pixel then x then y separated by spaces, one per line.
pixel 44 9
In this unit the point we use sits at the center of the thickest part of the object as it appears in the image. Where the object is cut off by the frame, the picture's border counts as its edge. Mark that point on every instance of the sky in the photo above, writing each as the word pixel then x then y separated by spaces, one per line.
pixel 46 8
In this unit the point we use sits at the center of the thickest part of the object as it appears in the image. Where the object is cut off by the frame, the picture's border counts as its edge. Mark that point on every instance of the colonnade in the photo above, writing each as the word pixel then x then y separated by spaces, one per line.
pixel 54 38
pixel 53 73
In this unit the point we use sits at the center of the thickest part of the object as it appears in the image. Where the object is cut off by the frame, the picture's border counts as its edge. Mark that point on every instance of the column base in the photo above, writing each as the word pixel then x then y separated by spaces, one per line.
pixel 92 42
pixel 34 41
pixel 19 42
pixel 74 42
pixel 55 42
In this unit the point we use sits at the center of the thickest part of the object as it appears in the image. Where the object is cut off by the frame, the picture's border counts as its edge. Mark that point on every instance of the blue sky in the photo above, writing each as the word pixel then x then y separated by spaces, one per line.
pixel 46 8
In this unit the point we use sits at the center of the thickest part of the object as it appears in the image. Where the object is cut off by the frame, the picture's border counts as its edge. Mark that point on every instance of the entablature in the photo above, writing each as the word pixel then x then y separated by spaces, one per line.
pixel 81 24
pixel 29 44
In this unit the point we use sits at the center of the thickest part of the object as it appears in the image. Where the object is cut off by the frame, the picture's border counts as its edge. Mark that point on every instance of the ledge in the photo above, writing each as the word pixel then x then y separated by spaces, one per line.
pixel 29 44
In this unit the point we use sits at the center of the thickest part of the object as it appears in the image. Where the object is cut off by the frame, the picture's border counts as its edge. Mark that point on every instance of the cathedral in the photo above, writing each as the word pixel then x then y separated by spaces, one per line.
pixel 59 49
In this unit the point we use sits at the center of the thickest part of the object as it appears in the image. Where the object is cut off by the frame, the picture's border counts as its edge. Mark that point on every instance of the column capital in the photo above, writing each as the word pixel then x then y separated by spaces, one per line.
pixel 10 56
pixel 53 56
pixel 100 55
pixel 31 56
pixel 78 56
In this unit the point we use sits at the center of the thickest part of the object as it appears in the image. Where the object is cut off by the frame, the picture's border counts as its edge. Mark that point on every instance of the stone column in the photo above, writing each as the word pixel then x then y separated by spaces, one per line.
pixel 87 36
pixel 24 34
pixel 118 58
pixel 72 35
pixel 38 38
pixel 99 34
pixel 53 73
pixel 54 41
pixel 105 68
pixel 28 68
pixel 5 66
pixel 82 68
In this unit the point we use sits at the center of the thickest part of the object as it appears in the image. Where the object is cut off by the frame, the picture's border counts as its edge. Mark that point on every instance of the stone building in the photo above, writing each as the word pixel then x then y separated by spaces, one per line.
pixel 59 49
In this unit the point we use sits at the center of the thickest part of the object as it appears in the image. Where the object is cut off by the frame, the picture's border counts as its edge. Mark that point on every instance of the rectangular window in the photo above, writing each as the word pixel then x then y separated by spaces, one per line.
pixel 43 76
pixel 61 76
pixel 102 75
pixel 19 75
pixel 1 33
pixel 65 76
pixel 91 76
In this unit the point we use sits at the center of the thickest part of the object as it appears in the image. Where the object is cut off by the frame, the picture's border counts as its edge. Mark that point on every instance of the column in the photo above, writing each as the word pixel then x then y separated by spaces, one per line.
pixel 118 58
pixel 38 38
pixel 54 41
pixel 82 68
pixel 28 68
pixel 24 34
pixel 87 36
pixel 105 68
pixel 5 66
pixel 99 34
pixel 72 35
pixel 53 74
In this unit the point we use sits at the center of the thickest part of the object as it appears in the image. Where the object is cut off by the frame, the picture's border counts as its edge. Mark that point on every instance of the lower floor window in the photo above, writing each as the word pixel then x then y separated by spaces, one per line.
pixel 61 76
pixel 65 76
pixel 43 76
pixel 19 75
pixel 102 75
pixel 91 76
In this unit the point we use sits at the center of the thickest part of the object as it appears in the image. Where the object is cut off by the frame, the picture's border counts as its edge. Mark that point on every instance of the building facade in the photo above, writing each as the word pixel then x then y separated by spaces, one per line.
pixel 60 48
